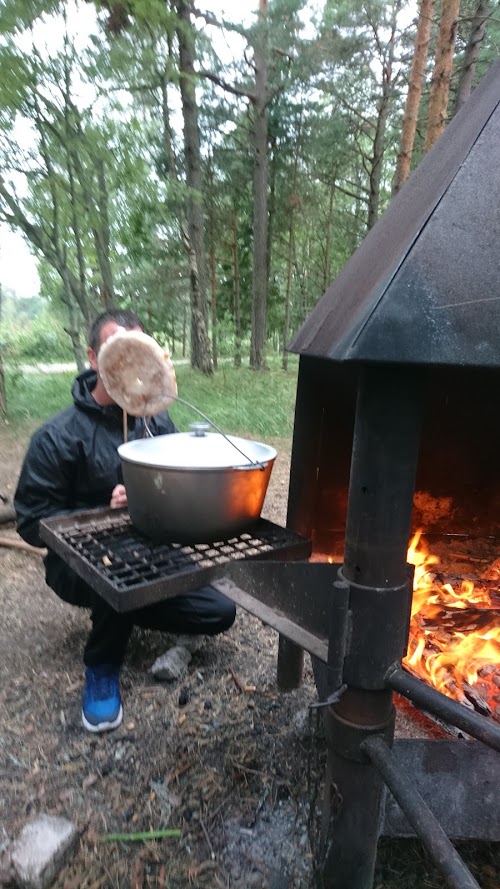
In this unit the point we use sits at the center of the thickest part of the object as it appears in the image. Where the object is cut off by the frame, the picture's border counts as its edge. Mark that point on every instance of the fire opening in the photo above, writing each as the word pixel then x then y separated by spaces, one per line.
pixel 454 641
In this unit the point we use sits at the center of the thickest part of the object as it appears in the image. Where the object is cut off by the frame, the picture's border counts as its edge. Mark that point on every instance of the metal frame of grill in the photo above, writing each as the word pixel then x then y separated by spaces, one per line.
pixel 129 570
pixel 406 327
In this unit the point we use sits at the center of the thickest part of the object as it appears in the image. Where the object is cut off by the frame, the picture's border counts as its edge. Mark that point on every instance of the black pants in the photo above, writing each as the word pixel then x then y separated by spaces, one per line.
pixel 201 612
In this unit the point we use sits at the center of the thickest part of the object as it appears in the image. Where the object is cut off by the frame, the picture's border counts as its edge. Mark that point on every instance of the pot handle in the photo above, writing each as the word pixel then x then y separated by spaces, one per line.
pixel 202 430
pixel 199 429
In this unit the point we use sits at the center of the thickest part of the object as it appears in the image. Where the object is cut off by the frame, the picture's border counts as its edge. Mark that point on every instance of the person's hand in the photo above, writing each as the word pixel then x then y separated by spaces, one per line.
pixel 118 497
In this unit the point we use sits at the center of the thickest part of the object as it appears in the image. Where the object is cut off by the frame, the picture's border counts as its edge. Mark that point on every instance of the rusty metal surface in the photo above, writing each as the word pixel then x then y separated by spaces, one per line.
pixel 421 288
pixel 430 699
pixel 426 826
pixel 129 571
pixel 287 627
pixel 459 782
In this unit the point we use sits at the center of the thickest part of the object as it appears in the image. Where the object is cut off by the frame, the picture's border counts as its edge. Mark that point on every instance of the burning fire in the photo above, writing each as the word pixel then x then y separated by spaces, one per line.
pixel 454 639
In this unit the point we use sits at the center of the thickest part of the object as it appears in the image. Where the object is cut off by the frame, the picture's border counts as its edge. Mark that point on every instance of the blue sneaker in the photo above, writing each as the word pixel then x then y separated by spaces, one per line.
pixel 102 706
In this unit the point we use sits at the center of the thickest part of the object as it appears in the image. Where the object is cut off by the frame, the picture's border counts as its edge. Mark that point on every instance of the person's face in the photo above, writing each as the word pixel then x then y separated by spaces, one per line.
pixel 107 330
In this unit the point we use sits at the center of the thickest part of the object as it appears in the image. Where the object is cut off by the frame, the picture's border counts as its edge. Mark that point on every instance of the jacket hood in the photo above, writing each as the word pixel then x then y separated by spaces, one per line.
pixel 81 391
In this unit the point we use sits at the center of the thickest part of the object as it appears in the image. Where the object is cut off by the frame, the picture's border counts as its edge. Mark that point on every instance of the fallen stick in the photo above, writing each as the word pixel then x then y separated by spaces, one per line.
pixel 178 772
pixel 20 544
pixel 139 837
pixel 237 681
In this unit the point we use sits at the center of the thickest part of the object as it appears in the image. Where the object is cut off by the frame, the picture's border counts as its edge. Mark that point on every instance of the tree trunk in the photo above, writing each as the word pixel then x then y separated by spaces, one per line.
pixel 200 343
pixel 76 232
pixel 73 327
pixel 213 295
pixel 172 334
pixel 271 203
pixel 328 238
pixel 96 201
pixel 288 291
pixel 291 235
pixel 213 283
pixel 101 238
pixel 471 53
pixel 3 394
pixel 440 85
pixel 301 274
pixel 412 105
pixel 260 220
pixel 98 212
pixel 184 324
pixel 236 293
pixel 381 125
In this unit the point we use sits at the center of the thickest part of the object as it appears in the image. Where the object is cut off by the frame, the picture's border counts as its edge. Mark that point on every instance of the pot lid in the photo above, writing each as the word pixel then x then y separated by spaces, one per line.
pixel 195 450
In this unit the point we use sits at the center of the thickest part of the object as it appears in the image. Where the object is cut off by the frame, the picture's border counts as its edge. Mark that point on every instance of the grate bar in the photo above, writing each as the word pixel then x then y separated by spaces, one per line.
pixel 130 571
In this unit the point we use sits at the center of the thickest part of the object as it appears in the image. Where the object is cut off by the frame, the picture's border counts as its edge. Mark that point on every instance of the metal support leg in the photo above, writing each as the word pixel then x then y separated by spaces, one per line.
pixel 290 664
pixel 420 817
pixel 354 791
pixel 384 459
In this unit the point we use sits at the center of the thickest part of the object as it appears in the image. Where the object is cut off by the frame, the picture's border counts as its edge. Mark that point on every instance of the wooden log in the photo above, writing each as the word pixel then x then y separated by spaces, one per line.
pixel 20 544
pixel 476 700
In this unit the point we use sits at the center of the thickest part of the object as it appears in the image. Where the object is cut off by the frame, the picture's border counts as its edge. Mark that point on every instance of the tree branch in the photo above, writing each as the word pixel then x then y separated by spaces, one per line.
pixel 228 87
pixel 210 19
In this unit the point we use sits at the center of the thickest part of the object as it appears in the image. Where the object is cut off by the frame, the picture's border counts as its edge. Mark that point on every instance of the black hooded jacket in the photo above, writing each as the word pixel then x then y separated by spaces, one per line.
pixel 72 462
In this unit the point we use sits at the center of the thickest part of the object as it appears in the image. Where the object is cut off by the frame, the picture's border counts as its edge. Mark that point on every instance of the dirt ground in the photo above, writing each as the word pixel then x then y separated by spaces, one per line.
pixel 235 771
pixel 227 767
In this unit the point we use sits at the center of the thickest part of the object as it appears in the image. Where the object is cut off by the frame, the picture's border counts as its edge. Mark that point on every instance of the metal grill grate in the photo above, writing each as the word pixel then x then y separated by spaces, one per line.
pixel 131 571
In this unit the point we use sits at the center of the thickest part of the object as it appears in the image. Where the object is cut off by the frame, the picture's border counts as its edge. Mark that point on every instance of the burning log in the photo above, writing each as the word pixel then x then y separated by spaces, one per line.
pixel 476 700
pixel 455 629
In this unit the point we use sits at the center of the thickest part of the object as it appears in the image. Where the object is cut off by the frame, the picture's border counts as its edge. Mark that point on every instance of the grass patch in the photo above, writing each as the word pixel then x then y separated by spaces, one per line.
pixel 238 400
pixel 36 396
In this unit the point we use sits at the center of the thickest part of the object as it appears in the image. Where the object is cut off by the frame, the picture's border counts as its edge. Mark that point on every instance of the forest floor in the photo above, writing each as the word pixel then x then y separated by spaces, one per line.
pixel 224 765
pixel 234 770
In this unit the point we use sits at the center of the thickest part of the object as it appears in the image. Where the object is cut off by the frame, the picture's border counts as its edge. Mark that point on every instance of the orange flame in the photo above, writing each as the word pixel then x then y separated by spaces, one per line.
pixel 454 639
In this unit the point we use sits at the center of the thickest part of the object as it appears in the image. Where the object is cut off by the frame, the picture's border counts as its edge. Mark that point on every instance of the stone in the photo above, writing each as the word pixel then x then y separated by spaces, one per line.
pixel 173 664
pixel 41 850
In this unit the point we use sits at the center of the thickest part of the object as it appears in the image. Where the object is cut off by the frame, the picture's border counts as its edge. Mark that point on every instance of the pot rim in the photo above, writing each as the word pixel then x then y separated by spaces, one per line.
pixel 202 448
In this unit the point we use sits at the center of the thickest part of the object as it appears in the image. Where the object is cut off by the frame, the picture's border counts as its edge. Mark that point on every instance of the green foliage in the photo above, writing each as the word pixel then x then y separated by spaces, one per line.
pixel 17 310
pixel 15 16
pixel 39 341
pixel 36 396
pixel 91 151
pixel 239 401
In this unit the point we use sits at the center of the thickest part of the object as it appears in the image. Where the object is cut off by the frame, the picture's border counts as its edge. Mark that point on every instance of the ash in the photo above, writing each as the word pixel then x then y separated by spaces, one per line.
pixel 273 853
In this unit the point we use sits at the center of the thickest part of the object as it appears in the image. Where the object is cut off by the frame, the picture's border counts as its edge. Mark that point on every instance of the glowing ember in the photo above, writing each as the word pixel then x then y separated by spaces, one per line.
pixel 454 639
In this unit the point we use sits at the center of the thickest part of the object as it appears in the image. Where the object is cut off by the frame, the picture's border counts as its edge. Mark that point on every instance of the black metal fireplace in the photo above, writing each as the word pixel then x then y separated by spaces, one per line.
pixel 396 427
pixel 396 410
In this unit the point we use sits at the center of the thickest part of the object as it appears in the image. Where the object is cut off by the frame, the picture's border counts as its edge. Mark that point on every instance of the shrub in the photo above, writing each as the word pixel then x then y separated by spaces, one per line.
pixel 37 342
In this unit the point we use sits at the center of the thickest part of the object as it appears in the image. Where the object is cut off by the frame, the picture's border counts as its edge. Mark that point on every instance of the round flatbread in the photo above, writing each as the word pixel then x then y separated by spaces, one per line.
pixel 137 373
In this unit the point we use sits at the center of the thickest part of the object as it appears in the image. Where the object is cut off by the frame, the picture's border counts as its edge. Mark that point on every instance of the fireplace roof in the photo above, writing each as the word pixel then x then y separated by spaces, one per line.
pixel 424 285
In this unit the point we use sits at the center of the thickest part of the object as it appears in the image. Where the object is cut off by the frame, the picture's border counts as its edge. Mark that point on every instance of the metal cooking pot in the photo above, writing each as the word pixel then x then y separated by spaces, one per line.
pixel 198 486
